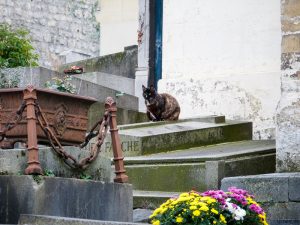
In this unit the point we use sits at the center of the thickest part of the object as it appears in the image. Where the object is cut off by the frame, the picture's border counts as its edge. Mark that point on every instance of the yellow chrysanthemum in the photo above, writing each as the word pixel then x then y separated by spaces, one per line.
pixel 179 219
pixel 193 207
pixel 196 213
pixel 194 194
pixel 185 194
pixel 214 211
pixel 204 208
pixel 222 218
pixel 211 201
pixel 184 199
pixel 214 222
pixel 156 222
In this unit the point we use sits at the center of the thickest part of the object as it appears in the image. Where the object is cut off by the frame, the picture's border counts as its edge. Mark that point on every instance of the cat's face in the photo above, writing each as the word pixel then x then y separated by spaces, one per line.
pixel 149 95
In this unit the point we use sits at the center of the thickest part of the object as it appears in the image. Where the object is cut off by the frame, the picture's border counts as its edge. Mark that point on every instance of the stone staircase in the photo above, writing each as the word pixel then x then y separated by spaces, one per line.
pixel 165 158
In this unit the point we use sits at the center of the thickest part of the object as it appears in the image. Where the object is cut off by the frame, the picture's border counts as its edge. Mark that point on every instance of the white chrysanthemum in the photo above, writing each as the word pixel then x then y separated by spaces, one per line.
pixel 237 212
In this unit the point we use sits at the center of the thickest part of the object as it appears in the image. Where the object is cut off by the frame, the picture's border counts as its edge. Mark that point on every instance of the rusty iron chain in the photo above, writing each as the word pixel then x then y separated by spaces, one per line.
pixel 17 118
pixel 103 125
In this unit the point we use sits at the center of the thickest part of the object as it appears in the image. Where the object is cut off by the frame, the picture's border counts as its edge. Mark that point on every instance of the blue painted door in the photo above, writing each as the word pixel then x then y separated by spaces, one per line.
pixel 158 40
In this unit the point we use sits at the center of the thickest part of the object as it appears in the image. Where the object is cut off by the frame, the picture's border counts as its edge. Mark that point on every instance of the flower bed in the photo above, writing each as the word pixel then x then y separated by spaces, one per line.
pixel 235 207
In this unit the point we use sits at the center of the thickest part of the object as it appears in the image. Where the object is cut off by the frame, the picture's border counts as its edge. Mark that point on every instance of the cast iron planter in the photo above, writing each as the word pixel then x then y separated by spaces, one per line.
pixel 66 113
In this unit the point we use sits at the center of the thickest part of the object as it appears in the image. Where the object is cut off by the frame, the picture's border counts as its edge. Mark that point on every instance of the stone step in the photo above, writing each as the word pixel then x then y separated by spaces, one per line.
pixel 200 168
pixel 27 219
pixel 120 63
pixel 119 83
pixel 154 137
pixel 151 199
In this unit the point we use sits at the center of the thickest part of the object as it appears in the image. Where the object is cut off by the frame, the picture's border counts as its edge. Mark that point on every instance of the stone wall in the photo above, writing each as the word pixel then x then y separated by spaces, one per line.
pixel 63 197
pixel 288 117
pixel 223 57
pixel 58 27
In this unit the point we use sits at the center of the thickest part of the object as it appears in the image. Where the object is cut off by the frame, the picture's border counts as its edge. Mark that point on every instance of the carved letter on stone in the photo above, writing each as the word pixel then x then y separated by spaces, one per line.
pixel 60 119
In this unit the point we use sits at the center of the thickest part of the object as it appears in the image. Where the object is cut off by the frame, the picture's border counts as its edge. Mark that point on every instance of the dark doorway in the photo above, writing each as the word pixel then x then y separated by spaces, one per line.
pixel 155 39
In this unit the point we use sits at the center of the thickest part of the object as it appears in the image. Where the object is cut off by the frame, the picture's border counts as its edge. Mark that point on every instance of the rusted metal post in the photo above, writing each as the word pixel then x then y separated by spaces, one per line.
pixel 121 177
pixel 33 156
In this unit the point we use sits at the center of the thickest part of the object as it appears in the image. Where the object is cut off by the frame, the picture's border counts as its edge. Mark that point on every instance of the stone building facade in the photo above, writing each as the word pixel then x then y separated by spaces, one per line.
pixel 288 114
pixel 223 57
pixel 60 29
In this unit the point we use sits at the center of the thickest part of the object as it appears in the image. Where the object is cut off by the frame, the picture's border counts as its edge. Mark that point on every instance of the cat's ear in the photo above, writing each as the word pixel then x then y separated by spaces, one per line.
pixel 152 89
pixel 144 88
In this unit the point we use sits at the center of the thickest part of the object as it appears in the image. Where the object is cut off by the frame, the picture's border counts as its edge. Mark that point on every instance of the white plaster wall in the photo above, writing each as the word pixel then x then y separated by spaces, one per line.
pixel 118 25
pixel 223 57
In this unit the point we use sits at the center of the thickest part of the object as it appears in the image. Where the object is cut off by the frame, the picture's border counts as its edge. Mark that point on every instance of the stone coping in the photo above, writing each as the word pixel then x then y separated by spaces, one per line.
pixel 207 153
pixel 50 220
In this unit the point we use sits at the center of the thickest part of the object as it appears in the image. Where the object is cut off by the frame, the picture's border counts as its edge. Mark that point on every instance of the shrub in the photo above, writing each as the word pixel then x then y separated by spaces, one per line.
pixel 61 84
pixel 235 207
pixel 15 48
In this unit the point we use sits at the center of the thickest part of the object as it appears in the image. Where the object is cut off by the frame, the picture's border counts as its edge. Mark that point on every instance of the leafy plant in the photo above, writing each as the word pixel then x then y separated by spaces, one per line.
pixel 37 178
pixel 9 81
pixel 61 84
pixel 235 207
pixel 15 48
pixel 49 173
pixel 85 176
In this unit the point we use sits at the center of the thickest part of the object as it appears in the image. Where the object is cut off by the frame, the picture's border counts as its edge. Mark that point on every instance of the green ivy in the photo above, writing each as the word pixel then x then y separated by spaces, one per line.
pixel 15 48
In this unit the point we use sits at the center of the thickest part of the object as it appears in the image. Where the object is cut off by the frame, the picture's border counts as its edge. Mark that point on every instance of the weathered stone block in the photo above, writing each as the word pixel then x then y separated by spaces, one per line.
pixel 26 219
pixel 281 211
pixel 294 184
pixel 290 8
pixel 64 197
pixel 214 173
pixel 288 26
pixel 288 138
pixel 284 222
pixel 15 162
pixel 251 165
pixel 167 177
pixel 290 43
pixel 265 188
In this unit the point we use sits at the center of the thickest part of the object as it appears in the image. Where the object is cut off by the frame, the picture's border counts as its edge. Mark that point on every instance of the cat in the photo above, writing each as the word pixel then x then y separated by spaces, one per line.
pixel 160 106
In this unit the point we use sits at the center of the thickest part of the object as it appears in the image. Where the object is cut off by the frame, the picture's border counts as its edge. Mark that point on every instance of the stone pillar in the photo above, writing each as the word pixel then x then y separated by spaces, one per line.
pixel 288 111
pixel 142 72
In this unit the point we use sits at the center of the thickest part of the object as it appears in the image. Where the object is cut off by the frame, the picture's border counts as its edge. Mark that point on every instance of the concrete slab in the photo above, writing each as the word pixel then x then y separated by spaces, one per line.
pixel 50 220
pixel 14 161
pixel 149 138
pixel 64 197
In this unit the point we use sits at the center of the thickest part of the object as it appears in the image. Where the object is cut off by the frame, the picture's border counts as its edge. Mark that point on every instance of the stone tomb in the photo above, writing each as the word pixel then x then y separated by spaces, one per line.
pixel 154 137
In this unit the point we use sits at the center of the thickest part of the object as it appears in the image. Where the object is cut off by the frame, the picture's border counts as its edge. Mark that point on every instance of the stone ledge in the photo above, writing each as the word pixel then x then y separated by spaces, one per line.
pixel 14 161
pixel 266 187
pixel 277 192
pixel 50 220
pixel 64 197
